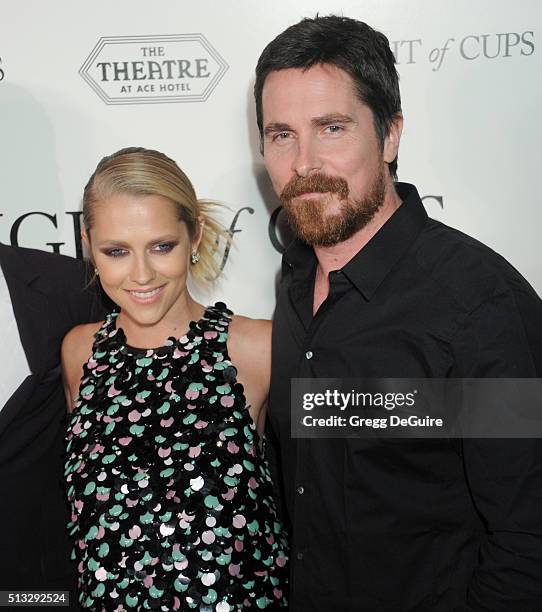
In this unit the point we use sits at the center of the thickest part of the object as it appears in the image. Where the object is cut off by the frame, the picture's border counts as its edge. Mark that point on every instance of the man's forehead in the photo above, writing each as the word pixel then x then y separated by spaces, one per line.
pixel 320 89
pixel 306 77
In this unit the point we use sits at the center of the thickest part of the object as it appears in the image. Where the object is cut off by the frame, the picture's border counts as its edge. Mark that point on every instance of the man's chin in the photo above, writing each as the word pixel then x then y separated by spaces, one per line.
pixel 318 236
pixel 323 242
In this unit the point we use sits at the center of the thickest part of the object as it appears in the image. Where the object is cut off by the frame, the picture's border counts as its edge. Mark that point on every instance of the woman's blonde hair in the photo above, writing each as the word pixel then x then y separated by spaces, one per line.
pixel 140 172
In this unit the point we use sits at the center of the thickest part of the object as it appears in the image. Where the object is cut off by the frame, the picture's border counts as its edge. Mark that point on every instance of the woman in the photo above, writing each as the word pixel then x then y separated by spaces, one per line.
pixel 170 496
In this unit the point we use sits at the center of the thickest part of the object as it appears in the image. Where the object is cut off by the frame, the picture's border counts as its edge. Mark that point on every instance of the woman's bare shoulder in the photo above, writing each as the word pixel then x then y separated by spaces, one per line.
pixel 249 346
pixel 80 339
pixel 253 335
pixel 77 348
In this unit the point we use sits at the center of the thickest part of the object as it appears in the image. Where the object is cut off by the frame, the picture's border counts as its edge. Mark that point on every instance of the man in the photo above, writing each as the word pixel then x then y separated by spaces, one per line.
pixel 42 297
pixel 374 288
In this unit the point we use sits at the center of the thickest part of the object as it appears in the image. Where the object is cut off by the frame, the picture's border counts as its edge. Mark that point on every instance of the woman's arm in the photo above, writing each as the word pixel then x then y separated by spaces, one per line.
pixel 249 347
pixel 76 350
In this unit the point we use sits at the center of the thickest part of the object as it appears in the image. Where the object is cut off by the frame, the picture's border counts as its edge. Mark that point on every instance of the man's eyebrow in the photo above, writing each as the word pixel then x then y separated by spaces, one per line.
pixel 273 128
pixel 331 118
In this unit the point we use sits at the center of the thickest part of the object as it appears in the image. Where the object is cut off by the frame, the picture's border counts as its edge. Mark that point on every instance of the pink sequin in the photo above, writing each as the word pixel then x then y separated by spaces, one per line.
pixel 227 401
pixel 233 569
pixel 148 581
pixel 112 392
pixel 239 521
pixel 233 448
pixel 77 429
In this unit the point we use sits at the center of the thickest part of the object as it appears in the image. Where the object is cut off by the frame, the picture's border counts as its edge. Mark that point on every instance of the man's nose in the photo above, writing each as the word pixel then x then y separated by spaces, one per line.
pixel 307 159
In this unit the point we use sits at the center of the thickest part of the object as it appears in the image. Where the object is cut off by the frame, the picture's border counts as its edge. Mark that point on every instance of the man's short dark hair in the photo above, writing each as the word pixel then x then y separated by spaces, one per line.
pixel 351 45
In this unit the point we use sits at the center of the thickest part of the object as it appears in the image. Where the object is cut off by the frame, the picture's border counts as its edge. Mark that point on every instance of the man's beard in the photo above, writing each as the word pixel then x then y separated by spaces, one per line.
pixel 307 218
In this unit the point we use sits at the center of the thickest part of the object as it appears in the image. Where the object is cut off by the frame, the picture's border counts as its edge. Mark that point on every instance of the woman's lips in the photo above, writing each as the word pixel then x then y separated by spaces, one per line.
pixel 145 296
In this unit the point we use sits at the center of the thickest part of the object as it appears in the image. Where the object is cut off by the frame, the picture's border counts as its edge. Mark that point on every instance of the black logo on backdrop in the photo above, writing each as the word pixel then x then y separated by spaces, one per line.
pixel 76 216
pixel 2 73
pixel 152 69
pixel 279 234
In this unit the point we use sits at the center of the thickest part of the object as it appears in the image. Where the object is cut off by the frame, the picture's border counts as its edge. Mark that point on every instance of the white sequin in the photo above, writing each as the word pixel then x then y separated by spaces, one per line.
pixel 197 483
pixel 166 531
pixel 208 579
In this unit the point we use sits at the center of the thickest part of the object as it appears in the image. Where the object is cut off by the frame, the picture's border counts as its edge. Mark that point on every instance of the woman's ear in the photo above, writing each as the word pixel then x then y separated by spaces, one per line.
pixel 199 234
pixel 85 239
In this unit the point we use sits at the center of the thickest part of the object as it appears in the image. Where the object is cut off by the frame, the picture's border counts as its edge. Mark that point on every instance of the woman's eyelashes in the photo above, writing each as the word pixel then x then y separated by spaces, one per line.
pixel 165 247
pixel 114 252
pixel 160 248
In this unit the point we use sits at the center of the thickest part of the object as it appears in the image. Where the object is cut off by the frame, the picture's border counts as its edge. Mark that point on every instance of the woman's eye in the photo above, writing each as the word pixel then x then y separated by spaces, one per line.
pixel 115 252
pixel 164 247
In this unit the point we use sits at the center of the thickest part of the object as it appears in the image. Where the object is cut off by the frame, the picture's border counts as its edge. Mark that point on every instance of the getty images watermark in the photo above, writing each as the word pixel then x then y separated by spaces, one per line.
pixel 416 408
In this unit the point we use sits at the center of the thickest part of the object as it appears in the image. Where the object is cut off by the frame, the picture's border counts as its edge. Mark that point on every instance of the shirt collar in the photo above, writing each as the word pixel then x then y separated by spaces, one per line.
pixel 370 266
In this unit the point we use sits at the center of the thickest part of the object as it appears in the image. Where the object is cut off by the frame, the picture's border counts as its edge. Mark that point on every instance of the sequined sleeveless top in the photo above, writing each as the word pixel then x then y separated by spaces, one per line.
pixel 171 498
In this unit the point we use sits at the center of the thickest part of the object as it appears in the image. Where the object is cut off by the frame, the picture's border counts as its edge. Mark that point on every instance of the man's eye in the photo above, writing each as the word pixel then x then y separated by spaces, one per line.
pixel 164 247
pixel 115 252
pixel 334 129
pixel 281 136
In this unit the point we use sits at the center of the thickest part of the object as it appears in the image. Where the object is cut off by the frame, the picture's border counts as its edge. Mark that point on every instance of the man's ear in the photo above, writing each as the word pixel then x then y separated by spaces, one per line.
pixel 392 140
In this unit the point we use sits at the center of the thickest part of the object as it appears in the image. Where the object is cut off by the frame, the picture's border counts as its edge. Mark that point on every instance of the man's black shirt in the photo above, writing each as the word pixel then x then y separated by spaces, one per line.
pixel 418 524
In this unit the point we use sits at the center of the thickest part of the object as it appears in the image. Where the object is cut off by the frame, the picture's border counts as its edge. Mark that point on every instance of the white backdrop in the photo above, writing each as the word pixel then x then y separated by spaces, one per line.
pixel 470 81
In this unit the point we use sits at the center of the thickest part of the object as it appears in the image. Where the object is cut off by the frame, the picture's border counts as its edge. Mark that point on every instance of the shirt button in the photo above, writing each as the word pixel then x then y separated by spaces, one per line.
pixel 299 556
pixel 301 490
pixel 308 354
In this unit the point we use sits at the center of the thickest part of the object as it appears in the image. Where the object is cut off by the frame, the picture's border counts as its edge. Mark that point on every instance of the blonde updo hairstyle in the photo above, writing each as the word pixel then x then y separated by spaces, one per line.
pixel 141 172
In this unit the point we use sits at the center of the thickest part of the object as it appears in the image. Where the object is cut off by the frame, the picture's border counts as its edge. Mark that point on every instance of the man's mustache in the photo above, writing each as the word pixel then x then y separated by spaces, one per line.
pixel 314 183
